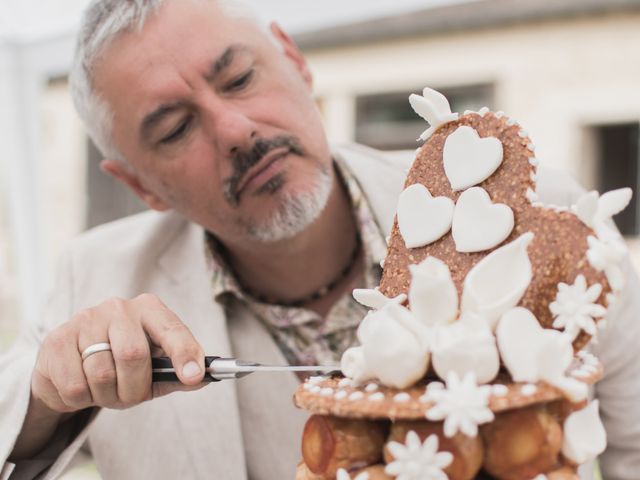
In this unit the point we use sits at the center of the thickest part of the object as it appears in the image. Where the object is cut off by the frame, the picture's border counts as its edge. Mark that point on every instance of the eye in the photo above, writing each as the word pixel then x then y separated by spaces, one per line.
pixel 178 132
pixel 240 82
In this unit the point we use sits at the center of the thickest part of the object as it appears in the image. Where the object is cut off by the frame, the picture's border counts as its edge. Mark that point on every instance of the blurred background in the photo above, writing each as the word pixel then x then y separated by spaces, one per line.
pixel 568 71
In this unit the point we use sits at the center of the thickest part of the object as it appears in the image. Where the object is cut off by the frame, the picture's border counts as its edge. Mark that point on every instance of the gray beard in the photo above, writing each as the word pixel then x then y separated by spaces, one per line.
pixel 295 213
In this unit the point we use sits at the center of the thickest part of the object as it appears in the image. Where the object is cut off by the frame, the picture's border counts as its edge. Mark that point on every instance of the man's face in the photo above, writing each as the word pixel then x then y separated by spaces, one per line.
pixel 216 121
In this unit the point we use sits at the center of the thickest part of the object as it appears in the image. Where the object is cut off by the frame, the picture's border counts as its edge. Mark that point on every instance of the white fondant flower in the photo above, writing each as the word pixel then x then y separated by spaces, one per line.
pixel 605 254
pixel 463 405
pixel 498 281
pixel 434 108
pixel 532 353
pixel 342 474
pixel 466 346
pixel 433 296
pixel 415 460
pixel 584 435
pixel 354 366
pixel 392 350
pixel 575 309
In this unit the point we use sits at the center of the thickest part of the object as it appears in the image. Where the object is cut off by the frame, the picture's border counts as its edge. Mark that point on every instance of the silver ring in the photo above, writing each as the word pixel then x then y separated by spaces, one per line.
pixel 95 348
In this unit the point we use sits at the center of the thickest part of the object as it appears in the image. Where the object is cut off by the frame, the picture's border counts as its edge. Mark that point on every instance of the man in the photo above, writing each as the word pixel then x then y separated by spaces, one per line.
pixel 203 113
pixel 210 120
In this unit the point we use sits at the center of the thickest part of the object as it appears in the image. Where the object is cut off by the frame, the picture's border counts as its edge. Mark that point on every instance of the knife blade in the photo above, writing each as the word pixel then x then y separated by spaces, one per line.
pixel 218 368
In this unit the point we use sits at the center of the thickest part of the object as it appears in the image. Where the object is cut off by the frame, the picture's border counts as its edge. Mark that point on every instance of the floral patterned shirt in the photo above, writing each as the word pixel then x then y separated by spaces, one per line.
pixel 304 337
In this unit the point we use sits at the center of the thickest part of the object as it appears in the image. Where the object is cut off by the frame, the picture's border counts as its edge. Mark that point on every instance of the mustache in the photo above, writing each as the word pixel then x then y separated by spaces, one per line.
pixel 243 160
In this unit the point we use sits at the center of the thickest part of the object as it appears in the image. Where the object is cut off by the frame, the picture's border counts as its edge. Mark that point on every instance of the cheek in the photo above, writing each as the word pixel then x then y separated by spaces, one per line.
pixel 193 179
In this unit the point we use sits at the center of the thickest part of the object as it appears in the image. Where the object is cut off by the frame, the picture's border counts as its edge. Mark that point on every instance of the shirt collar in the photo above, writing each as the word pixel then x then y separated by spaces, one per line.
pixel 224 283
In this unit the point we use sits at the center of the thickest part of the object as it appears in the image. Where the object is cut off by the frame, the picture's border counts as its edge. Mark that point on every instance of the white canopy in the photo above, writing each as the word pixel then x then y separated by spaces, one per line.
pixel 33 20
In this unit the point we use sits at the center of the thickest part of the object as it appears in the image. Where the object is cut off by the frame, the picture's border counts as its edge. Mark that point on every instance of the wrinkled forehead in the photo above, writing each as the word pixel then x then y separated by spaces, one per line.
pixel 140 68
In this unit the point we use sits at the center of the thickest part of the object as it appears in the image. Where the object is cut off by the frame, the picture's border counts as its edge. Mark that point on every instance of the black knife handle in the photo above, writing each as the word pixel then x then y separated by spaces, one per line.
pixel 165 362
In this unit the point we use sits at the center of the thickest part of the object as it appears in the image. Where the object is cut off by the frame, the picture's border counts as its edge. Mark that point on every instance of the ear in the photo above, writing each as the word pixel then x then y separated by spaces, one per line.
pixel 125 174
pixel 292 52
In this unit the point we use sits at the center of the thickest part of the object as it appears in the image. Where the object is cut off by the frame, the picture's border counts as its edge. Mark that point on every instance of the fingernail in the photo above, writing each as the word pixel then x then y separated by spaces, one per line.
pixel 191 369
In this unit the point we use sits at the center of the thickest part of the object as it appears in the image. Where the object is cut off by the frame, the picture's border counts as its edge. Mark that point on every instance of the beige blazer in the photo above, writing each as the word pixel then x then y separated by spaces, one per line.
pixel 248 428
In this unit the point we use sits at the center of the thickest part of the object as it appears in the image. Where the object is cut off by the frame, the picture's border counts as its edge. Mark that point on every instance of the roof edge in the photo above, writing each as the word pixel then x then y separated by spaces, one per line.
pixel 471 15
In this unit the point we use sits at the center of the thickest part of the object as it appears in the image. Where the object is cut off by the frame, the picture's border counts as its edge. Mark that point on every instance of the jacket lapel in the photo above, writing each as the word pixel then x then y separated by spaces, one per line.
pixel 271 424
pixel 183 435
pixel 381 178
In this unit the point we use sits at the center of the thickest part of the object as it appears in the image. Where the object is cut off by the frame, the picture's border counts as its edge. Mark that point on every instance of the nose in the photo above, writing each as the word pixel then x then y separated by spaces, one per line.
pixel 229 126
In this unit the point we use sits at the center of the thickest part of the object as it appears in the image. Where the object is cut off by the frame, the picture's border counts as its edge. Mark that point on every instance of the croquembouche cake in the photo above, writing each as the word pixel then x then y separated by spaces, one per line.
pixel 472 359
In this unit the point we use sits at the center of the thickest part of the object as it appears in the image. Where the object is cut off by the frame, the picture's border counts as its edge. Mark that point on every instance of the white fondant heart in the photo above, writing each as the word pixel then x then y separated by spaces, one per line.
pixel 469 159
pixel 423 219
pixel 478 224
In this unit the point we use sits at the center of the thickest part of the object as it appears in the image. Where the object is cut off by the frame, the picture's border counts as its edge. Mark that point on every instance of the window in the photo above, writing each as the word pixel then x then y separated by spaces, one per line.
pixel 617 149
pixel 386 121
pixel 108 199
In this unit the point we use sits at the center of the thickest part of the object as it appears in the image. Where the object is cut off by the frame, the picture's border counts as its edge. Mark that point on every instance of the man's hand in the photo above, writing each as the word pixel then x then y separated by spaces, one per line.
pixel 120 378
pixel 62 383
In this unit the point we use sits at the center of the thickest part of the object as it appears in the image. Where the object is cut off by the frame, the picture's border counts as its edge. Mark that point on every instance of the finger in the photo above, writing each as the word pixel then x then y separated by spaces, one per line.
pixel 99 368
pixel 43 388
pixel 100 371
pixel 64 363
pixel 132 357
pixel 160 389
pixel 169 333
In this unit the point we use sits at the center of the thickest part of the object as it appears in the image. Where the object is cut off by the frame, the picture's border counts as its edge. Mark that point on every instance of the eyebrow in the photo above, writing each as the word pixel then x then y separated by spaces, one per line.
pixel 152 119
pixel 223 61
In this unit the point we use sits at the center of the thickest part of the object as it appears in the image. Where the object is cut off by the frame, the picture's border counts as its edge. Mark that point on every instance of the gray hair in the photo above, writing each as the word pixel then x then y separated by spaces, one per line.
pixel 103 21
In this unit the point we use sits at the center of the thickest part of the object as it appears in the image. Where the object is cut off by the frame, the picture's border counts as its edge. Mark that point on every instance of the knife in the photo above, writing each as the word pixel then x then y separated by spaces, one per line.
pixel 218 368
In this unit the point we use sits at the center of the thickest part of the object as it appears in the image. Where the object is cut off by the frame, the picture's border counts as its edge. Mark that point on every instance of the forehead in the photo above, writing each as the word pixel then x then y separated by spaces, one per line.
pixel 182 38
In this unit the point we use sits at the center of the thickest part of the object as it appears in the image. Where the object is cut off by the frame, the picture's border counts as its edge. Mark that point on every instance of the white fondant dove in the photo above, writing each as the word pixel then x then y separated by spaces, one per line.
pixel 498 281
pixel 595 210
pixel 423 219
pixel 469 159
pixel 434 108
pixel 478 224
